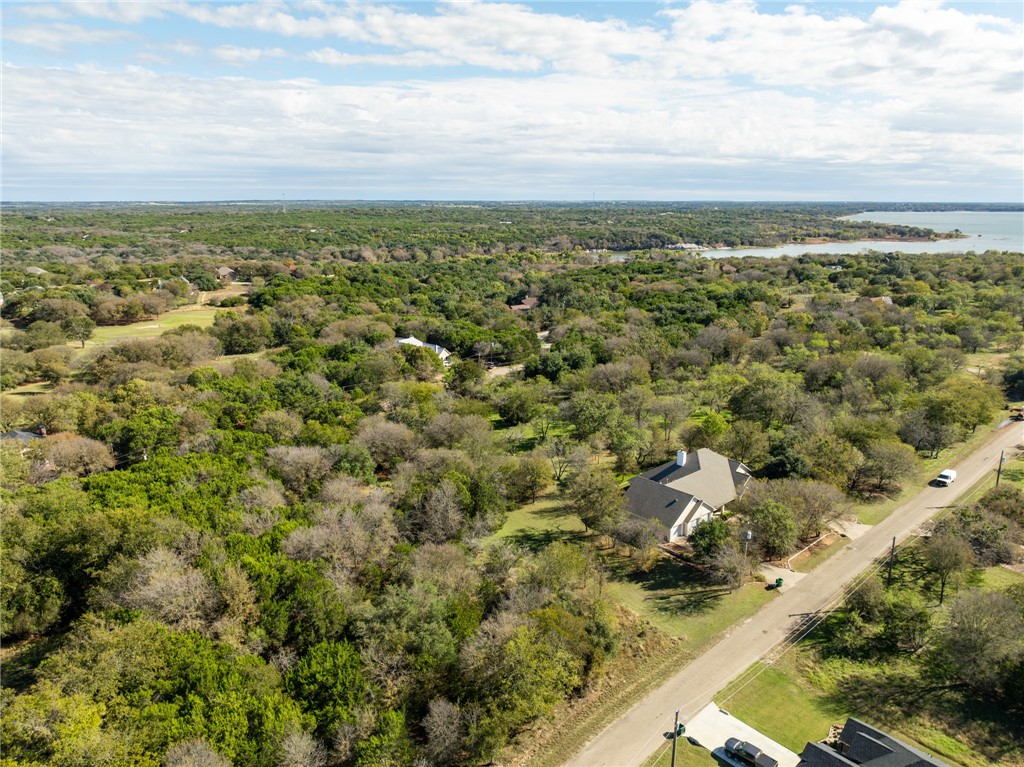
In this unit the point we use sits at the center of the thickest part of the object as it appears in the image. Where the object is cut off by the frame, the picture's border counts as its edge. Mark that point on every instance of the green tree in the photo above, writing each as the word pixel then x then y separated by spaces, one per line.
pixel 328 683
pixel 517 404
pixel 464 377
pixel 906 622
pixel 595 496
pixel 981 641
pixel 889 462
pixel 708 537
pixel 946 555
pixel 79 328
pixel 526 477
pixel 589 412
pixel 746 442
pixel 774 528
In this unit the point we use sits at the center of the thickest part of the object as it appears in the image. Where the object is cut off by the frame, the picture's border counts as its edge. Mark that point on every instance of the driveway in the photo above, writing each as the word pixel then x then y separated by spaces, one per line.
pixel 712 726
pixel 635 735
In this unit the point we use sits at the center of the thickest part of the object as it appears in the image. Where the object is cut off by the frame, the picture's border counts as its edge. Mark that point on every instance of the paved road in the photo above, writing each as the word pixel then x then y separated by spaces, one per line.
pixel 633 737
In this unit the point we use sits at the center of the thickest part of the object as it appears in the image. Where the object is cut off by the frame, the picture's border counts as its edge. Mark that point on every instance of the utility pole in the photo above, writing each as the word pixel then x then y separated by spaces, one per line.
pixel 999 471
pixel 892 556
pixel 675 737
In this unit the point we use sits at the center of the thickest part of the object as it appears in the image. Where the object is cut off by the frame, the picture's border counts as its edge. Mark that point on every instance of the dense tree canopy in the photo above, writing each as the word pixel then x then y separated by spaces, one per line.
pixel 273 540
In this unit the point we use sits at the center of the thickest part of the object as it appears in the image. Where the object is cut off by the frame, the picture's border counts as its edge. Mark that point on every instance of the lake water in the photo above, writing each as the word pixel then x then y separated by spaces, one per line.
pixel 987 230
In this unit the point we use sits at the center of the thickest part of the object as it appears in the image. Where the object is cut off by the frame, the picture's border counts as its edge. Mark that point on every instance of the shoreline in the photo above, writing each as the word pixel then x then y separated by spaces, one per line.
pixel 828 241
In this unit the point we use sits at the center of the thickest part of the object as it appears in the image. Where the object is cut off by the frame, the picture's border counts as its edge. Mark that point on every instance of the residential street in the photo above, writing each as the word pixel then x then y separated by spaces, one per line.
pixel 638 733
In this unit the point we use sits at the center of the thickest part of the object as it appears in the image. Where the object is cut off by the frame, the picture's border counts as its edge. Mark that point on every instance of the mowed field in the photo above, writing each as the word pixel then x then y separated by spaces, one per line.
pixel 201 315
pixel 186 315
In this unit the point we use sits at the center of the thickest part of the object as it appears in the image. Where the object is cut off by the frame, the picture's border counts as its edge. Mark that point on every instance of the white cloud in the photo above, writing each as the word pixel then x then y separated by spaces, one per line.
pixel 914 88
pixel 122 11
pixel 238 56
pixel 60 37
pixel 412 59
pixel 114 122
pixel 38 11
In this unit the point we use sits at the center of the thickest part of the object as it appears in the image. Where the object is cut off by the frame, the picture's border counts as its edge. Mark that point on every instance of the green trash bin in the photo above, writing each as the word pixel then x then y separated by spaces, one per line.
pixel 778 583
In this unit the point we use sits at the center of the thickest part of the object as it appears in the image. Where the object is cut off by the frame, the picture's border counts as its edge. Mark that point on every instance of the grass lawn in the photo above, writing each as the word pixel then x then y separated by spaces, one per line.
pixel 999 578
pixel 1013 474
pixel 538 524
pixel 983 362
pixel 687 755
pixel 29 389
pixel 186 315
pixel 781 702
pixel 797 697
pixel 817 555
pixel 674 598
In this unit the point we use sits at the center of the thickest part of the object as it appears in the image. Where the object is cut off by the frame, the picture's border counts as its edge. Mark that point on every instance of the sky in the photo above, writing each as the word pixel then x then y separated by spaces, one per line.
pixel 916 100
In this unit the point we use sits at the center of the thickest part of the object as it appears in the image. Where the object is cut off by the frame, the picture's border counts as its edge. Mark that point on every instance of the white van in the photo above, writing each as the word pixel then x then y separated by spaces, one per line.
pixel 946 478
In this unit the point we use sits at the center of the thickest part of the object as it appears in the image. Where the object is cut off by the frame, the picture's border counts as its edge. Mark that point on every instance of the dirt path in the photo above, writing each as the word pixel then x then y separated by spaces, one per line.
pixel 503 370
pixel 638 733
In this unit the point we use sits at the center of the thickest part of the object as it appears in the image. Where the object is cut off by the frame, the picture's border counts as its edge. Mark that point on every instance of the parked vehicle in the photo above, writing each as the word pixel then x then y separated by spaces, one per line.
pixel 946 478
pixel 748 753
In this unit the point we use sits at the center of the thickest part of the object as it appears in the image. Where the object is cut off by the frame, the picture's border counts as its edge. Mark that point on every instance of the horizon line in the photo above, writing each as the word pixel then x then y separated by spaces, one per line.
pixel 518 201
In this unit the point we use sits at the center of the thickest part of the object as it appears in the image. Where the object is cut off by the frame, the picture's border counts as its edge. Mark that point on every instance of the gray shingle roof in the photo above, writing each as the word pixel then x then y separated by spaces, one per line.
pixel 651 500
pixel 705 474
pixel 21 436
pixel 867 746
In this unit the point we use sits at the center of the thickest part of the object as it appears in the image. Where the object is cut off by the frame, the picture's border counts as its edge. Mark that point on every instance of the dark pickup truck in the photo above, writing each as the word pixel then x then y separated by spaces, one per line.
pixel 748 753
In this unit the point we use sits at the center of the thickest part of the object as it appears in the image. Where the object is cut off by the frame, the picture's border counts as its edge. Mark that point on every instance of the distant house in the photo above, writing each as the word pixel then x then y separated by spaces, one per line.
pixel 226 275
pixel 880 301
pixel 440 351
pixel 23 440
pixel 35 271
pixel 693 488
pixel 17 435
pixel 862 744
pixel 528 303
pixel 727 269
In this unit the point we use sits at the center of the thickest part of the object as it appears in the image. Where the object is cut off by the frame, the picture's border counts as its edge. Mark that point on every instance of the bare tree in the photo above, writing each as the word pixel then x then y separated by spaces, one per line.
pixel 729 567
pixel 281 425
pixel 446 731
pixel 300 749
pixel 439 515
pixel 389 443
pixel 445 565
pixel 239 606
pixel 71 454
pixel 171 590
pixel 194 753
pixel 346 492
pixel 558 452
pixel 266 496
pixel 349 539
pixel 299 467
pixel 451 430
